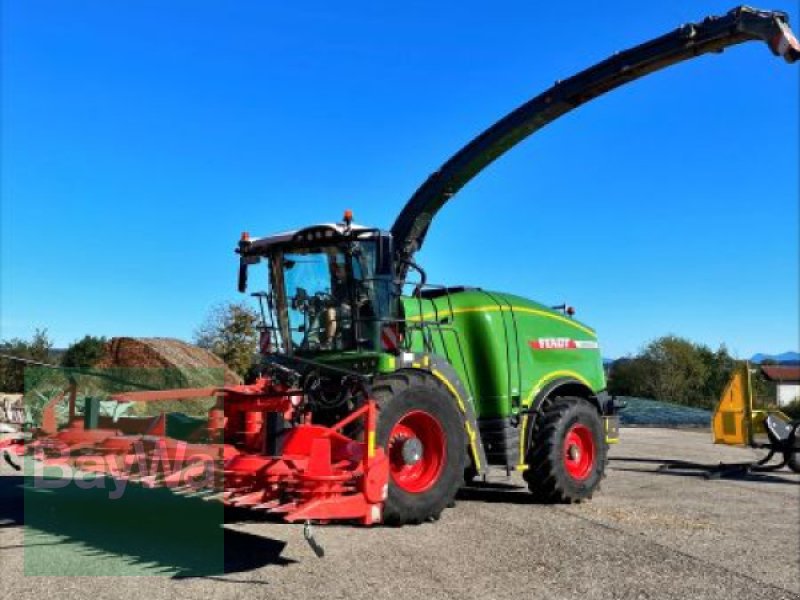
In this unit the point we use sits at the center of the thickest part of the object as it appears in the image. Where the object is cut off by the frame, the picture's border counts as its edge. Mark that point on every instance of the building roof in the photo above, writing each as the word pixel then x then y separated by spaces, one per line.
pixel 782 373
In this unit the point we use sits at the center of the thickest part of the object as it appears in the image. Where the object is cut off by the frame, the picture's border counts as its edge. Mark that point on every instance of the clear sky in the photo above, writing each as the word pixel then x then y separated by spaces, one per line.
pixel 140 138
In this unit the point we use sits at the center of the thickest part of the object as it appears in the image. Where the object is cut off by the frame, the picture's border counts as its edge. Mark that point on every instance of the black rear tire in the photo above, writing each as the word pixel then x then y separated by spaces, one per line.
pixel 793 460
pixel 793 454
pixel 560 469
pixel 398 396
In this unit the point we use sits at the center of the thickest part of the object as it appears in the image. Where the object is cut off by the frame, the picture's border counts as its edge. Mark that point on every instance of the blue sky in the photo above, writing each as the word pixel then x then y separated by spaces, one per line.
pixel 140 138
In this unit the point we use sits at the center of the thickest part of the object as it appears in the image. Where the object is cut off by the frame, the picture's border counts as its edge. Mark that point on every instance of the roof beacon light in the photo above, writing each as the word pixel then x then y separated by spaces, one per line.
pixel 245 236
pixel 348 216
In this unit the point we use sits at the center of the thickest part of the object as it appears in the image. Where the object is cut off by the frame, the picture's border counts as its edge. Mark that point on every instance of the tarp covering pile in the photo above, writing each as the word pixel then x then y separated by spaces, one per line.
pixel 161 363
pixel 183 365
pixel 131 365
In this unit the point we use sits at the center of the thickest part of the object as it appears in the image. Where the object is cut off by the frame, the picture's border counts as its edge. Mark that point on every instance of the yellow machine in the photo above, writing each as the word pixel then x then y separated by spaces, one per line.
pixel 737 422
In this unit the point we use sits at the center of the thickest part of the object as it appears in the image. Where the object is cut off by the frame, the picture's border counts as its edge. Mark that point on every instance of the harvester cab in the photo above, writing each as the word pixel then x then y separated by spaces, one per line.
pixel 331 287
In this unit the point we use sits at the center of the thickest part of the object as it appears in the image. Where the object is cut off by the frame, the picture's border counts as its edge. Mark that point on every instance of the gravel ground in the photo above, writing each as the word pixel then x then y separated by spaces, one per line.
pixel 646 535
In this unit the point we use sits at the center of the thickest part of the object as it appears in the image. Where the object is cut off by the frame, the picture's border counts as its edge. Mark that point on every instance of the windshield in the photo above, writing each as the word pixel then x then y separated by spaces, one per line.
pixel 326 296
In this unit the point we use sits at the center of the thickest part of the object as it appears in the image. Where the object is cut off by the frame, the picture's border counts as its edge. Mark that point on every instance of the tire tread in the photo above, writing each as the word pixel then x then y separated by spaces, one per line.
pixel 544 477
pixel 384 390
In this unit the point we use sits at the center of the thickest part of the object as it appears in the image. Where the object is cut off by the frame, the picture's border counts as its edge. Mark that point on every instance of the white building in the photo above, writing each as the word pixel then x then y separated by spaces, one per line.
pixel 11 409
pixel 787 381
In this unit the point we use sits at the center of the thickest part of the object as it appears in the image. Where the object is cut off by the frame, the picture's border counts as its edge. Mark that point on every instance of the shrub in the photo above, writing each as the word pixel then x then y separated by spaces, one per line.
pixel 792 410
pixel 673 369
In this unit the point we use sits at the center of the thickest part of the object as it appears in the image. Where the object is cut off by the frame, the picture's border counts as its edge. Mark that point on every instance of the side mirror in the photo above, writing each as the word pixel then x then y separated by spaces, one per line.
pixel 244 262
pixel 243 276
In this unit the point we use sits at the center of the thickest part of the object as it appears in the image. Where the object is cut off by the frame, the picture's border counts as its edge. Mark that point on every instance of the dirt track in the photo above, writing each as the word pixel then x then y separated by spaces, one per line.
pixel 646 535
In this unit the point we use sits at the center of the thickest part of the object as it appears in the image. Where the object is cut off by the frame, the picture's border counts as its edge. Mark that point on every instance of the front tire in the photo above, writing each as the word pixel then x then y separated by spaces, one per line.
pixel 568 452
pixel 423 435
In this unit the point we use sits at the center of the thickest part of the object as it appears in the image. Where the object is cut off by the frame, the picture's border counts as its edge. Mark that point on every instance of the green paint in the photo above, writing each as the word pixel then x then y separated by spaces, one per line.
pixel 487 338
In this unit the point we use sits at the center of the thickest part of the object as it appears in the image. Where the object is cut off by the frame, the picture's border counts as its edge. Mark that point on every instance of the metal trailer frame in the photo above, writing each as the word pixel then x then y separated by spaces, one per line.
pixel 738 422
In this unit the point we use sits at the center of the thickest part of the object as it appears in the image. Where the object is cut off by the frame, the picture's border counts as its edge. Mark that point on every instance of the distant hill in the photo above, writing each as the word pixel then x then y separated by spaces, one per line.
pixel 785 357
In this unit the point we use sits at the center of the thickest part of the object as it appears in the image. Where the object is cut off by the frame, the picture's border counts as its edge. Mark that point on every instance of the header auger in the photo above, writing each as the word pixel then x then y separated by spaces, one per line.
pixel 374 405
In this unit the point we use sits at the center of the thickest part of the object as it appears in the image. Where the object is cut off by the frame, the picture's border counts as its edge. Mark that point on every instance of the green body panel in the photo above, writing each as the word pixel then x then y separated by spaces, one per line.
pixel 504 348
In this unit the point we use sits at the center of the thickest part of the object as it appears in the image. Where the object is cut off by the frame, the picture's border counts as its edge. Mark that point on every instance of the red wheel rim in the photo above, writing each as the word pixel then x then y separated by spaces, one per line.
pixel 579 452
pixel 422 474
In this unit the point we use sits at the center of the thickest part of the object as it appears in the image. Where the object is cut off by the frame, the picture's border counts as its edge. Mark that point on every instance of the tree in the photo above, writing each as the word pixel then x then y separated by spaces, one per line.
pixel 84 353
pixel 679 374
pixel 674 369
pixel 765 391
pixel 720 365
pixel 629 376
pixel 792 409
pixel 12 372
pixel 231 332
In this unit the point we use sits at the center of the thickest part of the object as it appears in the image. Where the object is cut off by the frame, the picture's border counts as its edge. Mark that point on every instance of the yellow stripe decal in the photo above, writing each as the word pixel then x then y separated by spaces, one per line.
pixel 470 431
pixel 555 375
pixel 609 439
pixel 472 436
pixel 522 465
pixel 371 444
pixel 452 389
pixel 518 309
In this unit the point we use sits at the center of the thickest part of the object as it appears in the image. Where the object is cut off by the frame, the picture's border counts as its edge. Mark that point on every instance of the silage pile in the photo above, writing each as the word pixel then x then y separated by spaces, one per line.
pixel 176 363
pixel 163 363
pixel 130 365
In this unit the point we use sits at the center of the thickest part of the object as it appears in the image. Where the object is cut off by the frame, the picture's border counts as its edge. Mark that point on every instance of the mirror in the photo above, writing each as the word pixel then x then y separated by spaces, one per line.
pixel 244 262
pixel 243 276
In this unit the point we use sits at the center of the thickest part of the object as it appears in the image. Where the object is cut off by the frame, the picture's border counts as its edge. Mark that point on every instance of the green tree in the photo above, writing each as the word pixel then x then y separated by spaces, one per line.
pixel 765 392
pixel 629 377
pixel 231 332
pixel 85 352
pixel 792 409
pixel 680 373
pixel 12 372
pixel 720 366
pixel 674 369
